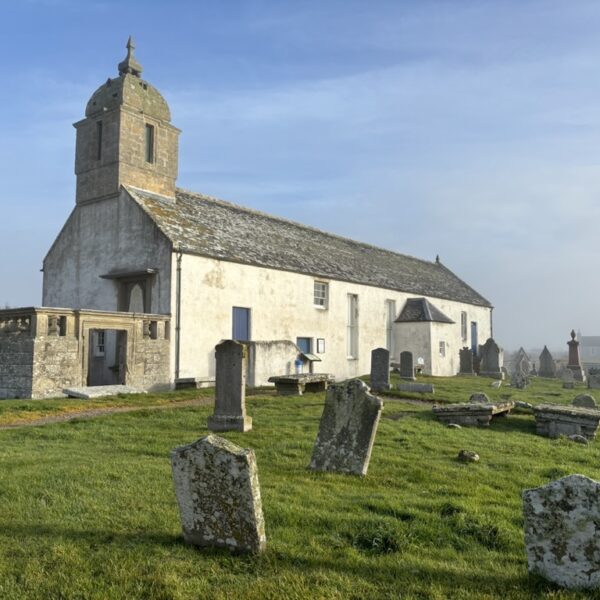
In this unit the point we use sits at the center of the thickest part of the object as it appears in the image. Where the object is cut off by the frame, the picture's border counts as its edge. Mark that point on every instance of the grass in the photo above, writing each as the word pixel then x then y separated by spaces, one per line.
pixel 87 508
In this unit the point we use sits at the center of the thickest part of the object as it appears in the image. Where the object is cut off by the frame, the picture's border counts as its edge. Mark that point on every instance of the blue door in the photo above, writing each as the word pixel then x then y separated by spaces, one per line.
pixel 304 344
pixel 241 324
pixel 474 344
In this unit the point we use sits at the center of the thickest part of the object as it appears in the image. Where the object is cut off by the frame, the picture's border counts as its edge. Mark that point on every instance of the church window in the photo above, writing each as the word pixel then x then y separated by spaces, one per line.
pixel 99 342
pixel 390 315
pixel 98 140
pixel 352 327
pixel 463 326
pixel 321 294
pixel 442 349
pixel 149 143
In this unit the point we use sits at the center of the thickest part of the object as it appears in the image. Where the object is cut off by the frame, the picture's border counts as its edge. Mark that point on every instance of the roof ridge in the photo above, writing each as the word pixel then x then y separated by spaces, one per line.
pixel 261 213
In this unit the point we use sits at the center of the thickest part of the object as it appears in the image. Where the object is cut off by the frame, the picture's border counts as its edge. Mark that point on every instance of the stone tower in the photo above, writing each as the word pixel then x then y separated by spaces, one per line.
pixel 126 138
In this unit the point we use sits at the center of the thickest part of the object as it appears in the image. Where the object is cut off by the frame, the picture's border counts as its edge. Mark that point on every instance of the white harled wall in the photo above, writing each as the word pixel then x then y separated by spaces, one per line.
pixel 282 308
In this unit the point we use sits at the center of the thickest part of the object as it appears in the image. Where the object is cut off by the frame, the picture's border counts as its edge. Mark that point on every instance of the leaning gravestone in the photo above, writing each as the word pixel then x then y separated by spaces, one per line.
pixel 491 360
pixel 216 483
pixel 465 356
pixel 380 369
pixel 584 401
pixel 407 370
pixel 347 429
pixel 547 365
pixel 561 538
pixel 230 389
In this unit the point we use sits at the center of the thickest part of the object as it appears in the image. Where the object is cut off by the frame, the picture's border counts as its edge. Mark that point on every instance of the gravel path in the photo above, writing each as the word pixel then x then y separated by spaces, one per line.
pixel 100 412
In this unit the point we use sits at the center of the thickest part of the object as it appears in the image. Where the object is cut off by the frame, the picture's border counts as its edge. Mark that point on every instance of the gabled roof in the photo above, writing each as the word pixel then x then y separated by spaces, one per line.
pixel 209 227
pixel 420 309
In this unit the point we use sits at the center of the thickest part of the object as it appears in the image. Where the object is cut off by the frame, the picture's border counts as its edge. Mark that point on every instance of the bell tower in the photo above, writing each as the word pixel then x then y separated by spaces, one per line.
pixel 126 138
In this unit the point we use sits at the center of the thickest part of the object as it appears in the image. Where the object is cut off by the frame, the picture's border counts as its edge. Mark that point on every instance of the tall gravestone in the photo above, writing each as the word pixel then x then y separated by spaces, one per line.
pixel 491 359
pixel 574 363
pixel 230 391
pixel 216 484
pixel 347 429
pixel 465 356
pixel 561 538
pixel 522 362
pixel 380 369
pixel 407 369
pixel 547 364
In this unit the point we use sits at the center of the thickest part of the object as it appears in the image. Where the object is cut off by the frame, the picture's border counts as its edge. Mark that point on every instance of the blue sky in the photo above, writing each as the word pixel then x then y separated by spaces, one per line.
pixel 468 129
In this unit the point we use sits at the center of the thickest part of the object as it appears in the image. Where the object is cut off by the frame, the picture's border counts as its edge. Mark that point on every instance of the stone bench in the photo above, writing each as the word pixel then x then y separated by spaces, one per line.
pixel 471 413
pixel 296 385
pixel 552 420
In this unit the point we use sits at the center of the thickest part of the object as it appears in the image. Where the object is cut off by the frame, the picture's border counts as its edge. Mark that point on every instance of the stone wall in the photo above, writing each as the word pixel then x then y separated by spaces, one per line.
pixel 44 350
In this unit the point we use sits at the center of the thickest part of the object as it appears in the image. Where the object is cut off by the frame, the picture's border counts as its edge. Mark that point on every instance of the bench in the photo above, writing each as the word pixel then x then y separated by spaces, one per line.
pixel 296 385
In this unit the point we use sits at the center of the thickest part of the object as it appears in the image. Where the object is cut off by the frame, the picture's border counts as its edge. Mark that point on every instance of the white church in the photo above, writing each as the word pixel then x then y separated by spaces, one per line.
pixel 203 270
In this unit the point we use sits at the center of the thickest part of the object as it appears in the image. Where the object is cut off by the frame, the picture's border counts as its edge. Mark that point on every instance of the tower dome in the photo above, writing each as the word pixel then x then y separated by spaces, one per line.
pixel 126 137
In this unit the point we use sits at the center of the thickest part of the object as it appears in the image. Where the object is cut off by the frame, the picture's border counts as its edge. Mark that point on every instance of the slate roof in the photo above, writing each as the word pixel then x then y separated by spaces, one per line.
pixel 214 228
pixel 420 309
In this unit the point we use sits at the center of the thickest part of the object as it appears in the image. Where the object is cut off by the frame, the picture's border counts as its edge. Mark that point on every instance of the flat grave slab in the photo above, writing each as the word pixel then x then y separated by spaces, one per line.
pixel 420 388
pixel 99 391
pixel 470 413
pixel 553 420
pixel 297 384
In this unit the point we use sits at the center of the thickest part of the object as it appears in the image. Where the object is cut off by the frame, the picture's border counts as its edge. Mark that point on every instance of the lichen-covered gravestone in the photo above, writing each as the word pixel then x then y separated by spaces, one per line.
pixel 380 369
pixel 230 388
pixel 547 364
pixel 584 401
pixel 216 483
pixel 561 537
pixel 347 429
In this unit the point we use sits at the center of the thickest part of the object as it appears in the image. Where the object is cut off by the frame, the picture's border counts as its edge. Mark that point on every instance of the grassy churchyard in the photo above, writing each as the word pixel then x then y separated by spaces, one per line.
pixel 87 507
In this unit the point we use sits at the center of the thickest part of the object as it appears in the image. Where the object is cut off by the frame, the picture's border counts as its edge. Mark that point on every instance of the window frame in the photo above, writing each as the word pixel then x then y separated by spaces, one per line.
pixel 150 143
pixel 324 305
pixel 352 348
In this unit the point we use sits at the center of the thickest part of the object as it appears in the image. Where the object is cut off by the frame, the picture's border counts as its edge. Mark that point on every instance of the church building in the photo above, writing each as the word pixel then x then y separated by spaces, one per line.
pixel 202 270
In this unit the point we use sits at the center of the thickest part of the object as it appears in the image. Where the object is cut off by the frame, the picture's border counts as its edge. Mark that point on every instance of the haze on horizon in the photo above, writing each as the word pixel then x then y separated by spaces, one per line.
pixel 466 129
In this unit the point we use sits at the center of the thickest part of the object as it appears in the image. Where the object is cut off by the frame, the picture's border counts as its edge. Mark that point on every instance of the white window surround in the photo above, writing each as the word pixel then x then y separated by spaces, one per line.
pixel 321 295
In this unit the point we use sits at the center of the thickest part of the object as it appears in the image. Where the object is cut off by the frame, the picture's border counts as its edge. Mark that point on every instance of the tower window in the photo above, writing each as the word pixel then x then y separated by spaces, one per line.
pixel 149 143
pixel 99 140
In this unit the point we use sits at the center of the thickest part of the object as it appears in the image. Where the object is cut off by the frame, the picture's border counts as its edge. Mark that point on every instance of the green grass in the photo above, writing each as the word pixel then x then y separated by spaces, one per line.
pixel 87 508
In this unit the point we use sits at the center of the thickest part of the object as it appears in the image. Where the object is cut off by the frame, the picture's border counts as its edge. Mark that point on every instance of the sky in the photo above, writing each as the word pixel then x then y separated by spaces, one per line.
pixel 464 128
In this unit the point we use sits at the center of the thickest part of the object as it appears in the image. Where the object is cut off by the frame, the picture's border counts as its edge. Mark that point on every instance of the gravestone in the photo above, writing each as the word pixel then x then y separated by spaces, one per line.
pixel 522 361
pixel 584 401
pixel 593 378
pixel 561 539
pixel 380 369
pixel 491 359
pixel 574 363
pixel 230 389
pixel 568 379
pixel 216 483
pixel 519 380
pixel 466 362
pixel 479 398
pixel 347 429
pixel 407 370
pixel 547 364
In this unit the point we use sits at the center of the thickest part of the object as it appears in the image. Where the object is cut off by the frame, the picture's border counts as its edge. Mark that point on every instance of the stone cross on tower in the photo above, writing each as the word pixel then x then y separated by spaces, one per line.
pixel 130 65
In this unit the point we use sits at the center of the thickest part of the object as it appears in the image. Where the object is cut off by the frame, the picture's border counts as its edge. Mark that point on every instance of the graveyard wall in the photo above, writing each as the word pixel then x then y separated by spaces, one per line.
pixel 102 237
pixel 282 308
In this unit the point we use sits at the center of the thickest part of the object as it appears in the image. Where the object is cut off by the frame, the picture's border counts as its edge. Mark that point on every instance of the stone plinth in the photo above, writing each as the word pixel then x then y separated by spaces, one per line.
pixel 561 531
pixel 347 429
pixel 380 369
pixel 471 413
pixel 553 420
pixel 296 385
pixel 230 389
pixel 216 483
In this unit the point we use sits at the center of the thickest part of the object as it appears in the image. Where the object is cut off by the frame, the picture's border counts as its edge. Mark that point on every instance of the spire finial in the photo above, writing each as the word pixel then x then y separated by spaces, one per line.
pixel 130 65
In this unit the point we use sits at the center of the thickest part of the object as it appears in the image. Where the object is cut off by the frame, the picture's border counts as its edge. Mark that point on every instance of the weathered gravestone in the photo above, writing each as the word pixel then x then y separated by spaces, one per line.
pixel 407 370
pixel 561 536
pixel 522 361
pixel 568 379
pixel 519 380
pixel 594 378
pixel 491 359
pixel 380 369
pixel 465 356
pixel 547 365
pixel 347 429
pixel 216 483
pixel 230 389
pixel 584 401
pixel 574 363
